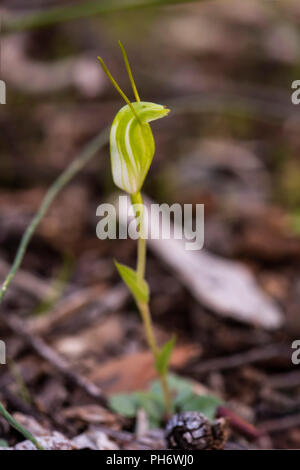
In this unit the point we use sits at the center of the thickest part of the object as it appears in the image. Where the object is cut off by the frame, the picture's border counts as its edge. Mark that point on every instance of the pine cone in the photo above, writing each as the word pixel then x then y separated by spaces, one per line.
pixel 191 430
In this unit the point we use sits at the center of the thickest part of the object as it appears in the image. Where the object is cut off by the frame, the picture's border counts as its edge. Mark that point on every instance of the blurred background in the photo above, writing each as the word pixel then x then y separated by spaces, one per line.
pixel 231 142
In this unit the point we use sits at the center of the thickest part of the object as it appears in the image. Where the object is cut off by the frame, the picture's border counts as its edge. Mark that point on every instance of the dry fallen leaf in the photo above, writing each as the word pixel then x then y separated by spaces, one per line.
pixel 135 371
pixel 90 414
pixel 94 439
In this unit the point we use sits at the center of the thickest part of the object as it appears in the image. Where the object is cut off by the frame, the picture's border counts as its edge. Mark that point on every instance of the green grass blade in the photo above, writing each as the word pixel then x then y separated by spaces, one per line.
pixel 65 177
pixel 18 427
pixel 81 10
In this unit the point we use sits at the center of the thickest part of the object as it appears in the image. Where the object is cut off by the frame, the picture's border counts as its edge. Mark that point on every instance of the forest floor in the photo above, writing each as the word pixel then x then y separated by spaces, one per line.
pixel 74 338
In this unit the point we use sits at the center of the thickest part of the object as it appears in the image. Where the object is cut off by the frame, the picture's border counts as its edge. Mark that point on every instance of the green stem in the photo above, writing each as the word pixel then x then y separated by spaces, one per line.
pixel 88 152
pixel 141 264
pixel 166 393
pixel 147 320
pixel 142 249
pixel 143 306
pixel 19 428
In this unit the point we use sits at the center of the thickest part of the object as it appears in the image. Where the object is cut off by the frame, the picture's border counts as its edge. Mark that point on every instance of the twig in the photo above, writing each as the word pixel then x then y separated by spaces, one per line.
pixel 278 400
pixel 18 427
pixel 64 309
pixel 280 424
pixel 67 307
pixel 55 359
pixel 285 380
pixel 88 152
pixel 240 359
pixel 239 424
